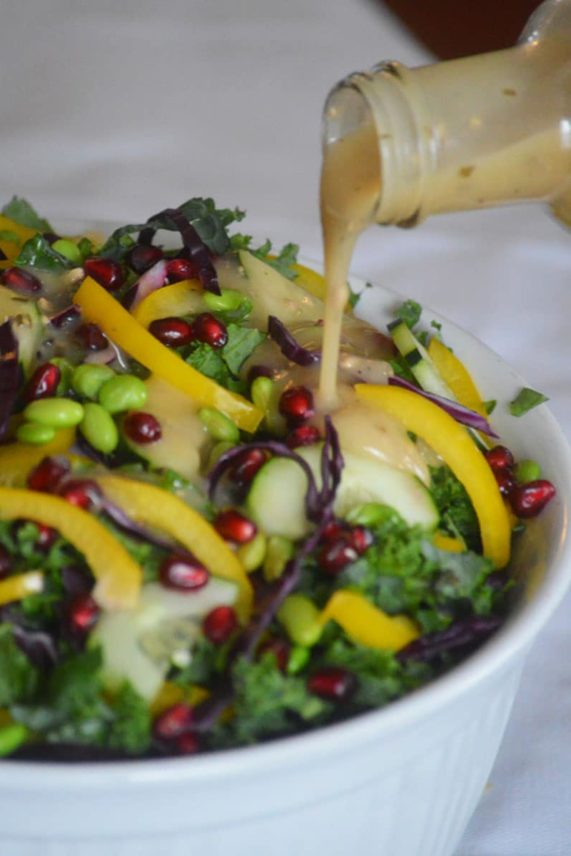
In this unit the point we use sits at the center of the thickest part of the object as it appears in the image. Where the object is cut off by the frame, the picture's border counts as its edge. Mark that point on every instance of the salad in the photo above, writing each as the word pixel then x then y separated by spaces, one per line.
pixel 193 556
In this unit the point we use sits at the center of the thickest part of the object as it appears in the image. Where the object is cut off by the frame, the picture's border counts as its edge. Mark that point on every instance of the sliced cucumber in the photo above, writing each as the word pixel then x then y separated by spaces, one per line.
pixel 183 434
pixel 138 645
pixel 27 326
pixel 418 360
pixel 276 501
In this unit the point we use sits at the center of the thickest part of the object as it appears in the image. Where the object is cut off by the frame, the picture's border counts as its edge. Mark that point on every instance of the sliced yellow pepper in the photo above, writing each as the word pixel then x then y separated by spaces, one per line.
pixel 98 306
pixel 310 280
pixel 20 586
pixel 452 442
pixel 181 298
pixel 171 694
pixel 448 542
pixel 118 576
pixel 366 624
pixel 456 376
pixel 21 233
pixel 153 506
pixel 17 459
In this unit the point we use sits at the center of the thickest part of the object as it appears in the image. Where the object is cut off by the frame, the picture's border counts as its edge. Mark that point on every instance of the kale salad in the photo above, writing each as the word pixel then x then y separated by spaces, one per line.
pixel 194 556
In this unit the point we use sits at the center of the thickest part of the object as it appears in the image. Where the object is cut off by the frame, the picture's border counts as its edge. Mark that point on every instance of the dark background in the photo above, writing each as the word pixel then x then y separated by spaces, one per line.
pixel 454 28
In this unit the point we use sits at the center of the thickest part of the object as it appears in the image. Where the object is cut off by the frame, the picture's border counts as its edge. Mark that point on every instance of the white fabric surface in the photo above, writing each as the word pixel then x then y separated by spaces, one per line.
pixel 112 109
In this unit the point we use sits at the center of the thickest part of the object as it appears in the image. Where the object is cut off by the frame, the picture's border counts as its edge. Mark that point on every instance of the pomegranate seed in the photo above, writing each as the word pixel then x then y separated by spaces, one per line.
pixel 173 332
pixel 220 624
pixel 143 256
pixel 182 573
pixel 499 458
pixel 187 744
pixel 5 562
pixel 235 527
pixel 337 553
pixel 43 383
pixel 506 481
pixel 332 683
pixel 106 272
pixel 82 614
pixel 210 330
pixel 279 648
pixel 303 435
pixel 83 493
pixel 48 474
pixel 333 529
pixel 173 722
pixel 21 280
pixel 180 269
pixel 247 465
pixel 296 405
pixel 92 337
pixel 361 539
pixel 142 427
pixel 527 500
pixel 46 537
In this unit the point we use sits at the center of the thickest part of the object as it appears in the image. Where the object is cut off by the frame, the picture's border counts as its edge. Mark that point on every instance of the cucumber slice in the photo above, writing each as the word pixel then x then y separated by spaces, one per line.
pixel 276 500
pixel 26 323
pixel 138 645
pixel 418 360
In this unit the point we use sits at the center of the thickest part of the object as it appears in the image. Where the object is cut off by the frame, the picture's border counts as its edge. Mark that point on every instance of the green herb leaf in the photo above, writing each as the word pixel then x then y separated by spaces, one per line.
pixel 18 678
pixel 490 406
pixel 20 211
pixel 130 729
pixel 242 341
pixel 282 262
pixel 526 400
pixel 457 515
pixel 37 253
pixel 409 312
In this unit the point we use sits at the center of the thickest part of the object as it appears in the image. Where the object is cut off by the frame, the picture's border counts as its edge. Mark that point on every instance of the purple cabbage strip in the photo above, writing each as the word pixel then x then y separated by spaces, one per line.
pixel 288 345
pixel 10 375
pixel 462 414
pixel 470 632
pixel 192 241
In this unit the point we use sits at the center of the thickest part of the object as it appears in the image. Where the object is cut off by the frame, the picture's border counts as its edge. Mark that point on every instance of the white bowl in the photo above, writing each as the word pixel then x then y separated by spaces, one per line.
pixel 403 780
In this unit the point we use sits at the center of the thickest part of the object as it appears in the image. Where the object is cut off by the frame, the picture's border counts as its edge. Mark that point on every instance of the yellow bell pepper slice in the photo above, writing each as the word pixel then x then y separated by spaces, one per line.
pixel 11 248
pixel 17 459
pixel 366 624
pixel 310 280
pixel 181 298
pixel 456 376
pixel 448 543
pixel 155 507
pixel 20 586
pixel 118 576
pixel 98 306
pixel 170 694
pixel 453 443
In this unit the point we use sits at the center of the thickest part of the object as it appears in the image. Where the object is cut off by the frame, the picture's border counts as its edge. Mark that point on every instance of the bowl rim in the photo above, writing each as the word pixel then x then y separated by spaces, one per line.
pixel 513 637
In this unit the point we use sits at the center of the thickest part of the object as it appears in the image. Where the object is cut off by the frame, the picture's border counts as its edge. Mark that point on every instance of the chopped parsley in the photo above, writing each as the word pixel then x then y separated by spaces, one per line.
pixel 409 312
pixel 20 211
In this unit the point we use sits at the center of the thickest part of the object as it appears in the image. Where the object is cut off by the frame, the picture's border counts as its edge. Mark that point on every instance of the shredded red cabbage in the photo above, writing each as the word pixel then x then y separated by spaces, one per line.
pixel 288 345
pixel 469 634
pixel 10 375
pixel 453 408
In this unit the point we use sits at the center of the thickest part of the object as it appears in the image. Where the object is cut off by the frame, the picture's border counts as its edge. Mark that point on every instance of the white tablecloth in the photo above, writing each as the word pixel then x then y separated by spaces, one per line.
pixel 112 109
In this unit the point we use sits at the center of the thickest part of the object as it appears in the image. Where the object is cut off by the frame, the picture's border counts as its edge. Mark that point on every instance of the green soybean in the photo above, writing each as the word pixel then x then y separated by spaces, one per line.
pixel 55 412
pixel 99 429
pixel 34 433
pixel 11 737
pixel 226 301
pixel 262 392
pixel 300 617
pixel 252 554
pixel 68 250
pixel 219 426
pixel 527 470
pixel 66 371
pixel 298 659
pixel 279 551
pixel 370 514
pixel 123 392
pixel 217 452
pixel 87 380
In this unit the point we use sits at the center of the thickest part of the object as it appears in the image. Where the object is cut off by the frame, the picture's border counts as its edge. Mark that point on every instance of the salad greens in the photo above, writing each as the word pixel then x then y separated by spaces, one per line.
pixel 192 557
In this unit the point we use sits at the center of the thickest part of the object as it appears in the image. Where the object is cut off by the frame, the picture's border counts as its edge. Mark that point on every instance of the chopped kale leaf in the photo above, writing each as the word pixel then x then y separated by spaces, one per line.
pixel 37 253
pixel 457 515
pixel 20 211
pixel 526 400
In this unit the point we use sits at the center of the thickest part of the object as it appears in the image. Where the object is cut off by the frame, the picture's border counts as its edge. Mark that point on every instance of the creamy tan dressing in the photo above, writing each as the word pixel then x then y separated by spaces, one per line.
pixel 350 189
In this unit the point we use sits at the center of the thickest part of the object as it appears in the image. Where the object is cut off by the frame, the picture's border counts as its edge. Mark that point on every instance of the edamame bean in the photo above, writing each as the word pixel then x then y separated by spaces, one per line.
pixel 527 470
pixel 66 371
pixel 226 301
pixel 99 429
pixel 261 392
pixel 300 617
pixel 298 658
pixel 217 452
pixel 55 412
pixel 370 514
pixel 87 379
pixel 279 551
pixel 252 554
pixel 34 433
pixel 68 250
pixel 219 426
pixel 123 392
